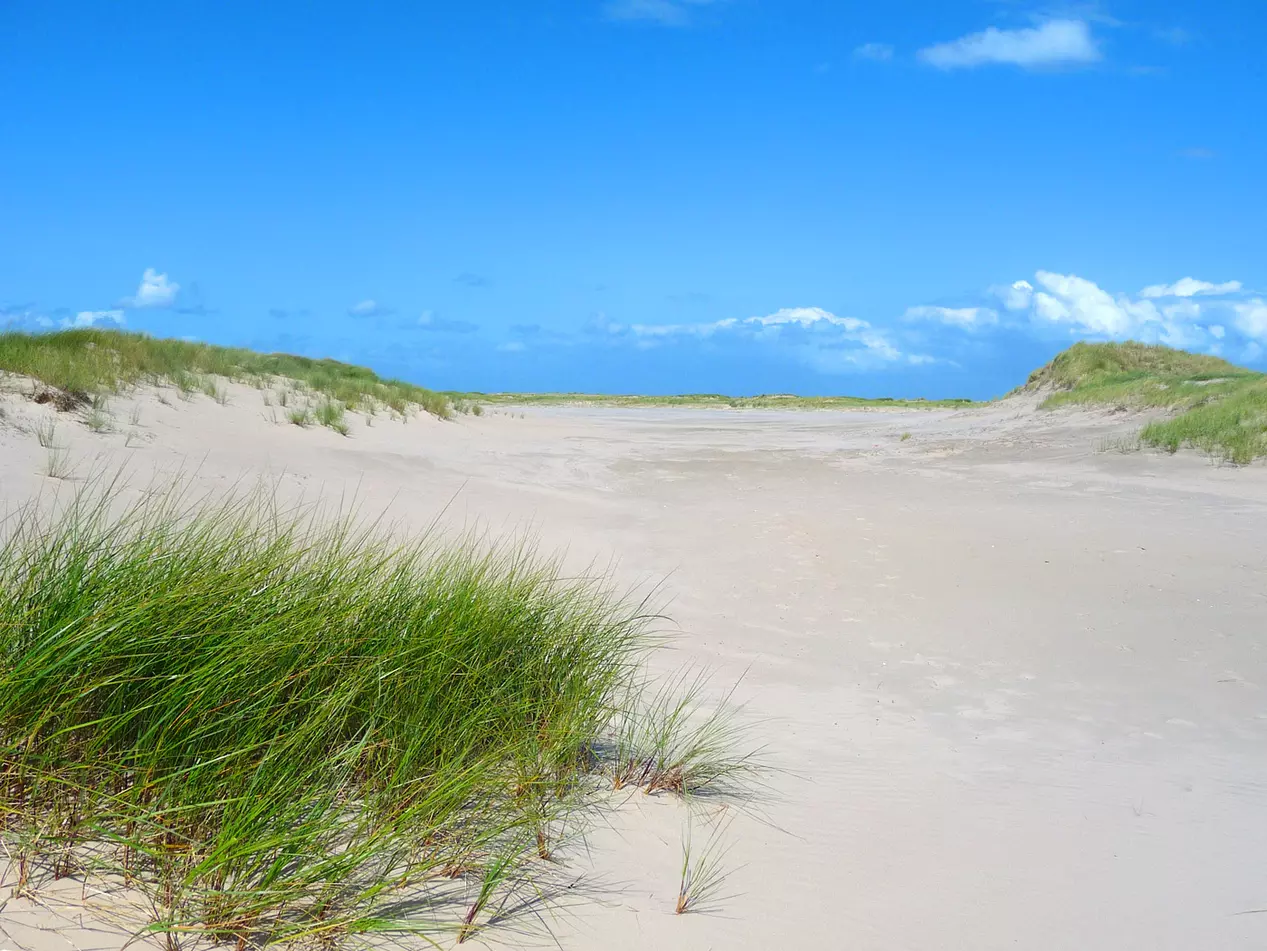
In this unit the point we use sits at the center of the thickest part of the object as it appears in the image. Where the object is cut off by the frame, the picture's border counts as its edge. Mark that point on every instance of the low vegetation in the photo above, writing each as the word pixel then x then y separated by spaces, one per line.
pixel 703 872
pixel 706 400
pixel 1218 407
pixel 279 725
pixel 83 363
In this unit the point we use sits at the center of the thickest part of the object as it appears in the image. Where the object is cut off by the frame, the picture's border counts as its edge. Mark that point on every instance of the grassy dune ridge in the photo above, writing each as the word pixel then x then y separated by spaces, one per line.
pixel 276 723
pixel 1218 407
pixel 91 362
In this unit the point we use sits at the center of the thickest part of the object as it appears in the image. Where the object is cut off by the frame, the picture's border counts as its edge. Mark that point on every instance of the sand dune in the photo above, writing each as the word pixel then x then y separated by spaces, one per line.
pixel 1011 683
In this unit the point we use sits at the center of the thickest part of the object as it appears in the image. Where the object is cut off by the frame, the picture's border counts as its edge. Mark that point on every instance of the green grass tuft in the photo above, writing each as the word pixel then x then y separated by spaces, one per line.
pixel 276 724
pixel 331 413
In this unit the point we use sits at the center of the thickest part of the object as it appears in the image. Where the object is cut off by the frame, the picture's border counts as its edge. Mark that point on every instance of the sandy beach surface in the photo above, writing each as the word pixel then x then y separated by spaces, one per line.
pixel 1011 682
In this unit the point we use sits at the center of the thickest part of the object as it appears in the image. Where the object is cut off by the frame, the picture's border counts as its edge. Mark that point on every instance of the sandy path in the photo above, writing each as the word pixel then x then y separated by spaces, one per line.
pixel 1015 687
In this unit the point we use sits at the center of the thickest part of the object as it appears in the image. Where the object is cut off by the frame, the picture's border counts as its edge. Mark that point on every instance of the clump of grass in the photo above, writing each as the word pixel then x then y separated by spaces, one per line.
pixel 331 413
pixel 1233 428
pixel 1220 408
pixel 46 433
pixel 300 416
pixel 93 360
pixel 669 738
pixel 1120 444
pixel 99 421
pixel 186 383
pixel 57 462
pixel 904 437
pixel 272 723
pixel 703 873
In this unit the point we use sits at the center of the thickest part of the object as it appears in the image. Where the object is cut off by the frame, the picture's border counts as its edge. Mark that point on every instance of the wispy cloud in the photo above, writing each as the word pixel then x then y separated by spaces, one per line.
pixel 428 321
pixel 155 290
pixel 1059 42
pixel 1189 287
pixel 369 308
pixel 879 52
pixel 812 335
pixel 969 318
pixel 473 280
pixel 665 12
pixel 1196 152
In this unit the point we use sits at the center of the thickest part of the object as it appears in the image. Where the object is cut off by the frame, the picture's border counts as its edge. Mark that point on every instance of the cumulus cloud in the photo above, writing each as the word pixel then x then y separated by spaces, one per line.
pixel 1251 318
pixel 155 291
pixel 93 318
pixel 970 318
pixel 1018 295
pixel 1053 43
pixel 665 12
pixel 1192 315
pixel 1162 313
pixel 879 52
pixel 1189 287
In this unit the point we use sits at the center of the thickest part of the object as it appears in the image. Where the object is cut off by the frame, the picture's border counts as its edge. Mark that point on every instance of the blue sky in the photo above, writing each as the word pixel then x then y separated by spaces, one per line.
pixel 917 197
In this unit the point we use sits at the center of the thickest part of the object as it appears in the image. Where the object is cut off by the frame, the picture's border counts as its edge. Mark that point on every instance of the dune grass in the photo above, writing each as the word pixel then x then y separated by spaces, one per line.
pixel 703 871
pixel 1219 408
pixel 91 361
pixel 276 723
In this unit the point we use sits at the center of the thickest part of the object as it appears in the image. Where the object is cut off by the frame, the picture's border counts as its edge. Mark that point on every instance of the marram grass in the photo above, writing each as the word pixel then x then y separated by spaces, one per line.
pixel 1218 407
pixel 276 724
pixel 91 361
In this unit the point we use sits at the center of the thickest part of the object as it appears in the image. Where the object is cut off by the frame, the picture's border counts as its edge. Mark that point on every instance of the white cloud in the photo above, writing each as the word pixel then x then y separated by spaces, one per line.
pixel 966 317
pixel 667 12
pixel 1189 287
pixel 1251 318
pixel 1084 309
pixel 91 318
pixel 880 52
pixel 368 308
pixel 1018 295
pixel 824 340
pixel 1053 43
pixel 806 317
pixel 155 291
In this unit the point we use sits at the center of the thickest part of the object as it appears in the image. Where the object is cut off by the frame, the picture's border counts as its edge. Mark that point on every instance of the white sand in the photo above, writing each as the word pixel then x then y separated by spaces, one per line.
pixel 1014 686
